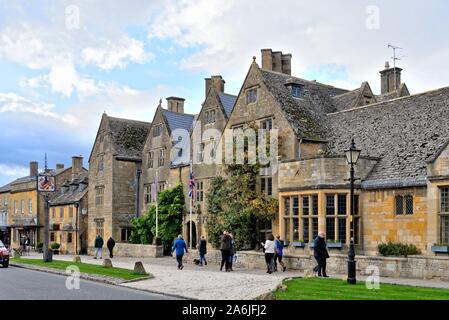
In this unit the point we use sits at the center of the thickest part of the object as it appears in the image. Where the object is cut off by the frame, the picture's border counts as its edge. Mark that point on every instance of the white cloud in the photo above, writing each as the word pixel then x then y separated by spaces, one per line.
pixel 116 55
pixel 13 103
pixel 227 33
pixel 13 171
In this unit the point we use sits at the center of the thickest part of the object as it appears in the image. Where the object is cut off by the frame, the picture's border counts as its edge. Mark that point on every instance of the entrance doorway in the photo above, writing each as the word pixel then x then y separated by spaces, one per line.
pixel 194 238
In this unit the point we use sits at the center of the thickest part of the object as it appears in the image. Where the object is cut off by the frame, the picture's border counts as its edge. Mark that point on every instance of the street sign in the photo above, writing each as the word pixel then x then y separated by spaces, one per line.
pixel 46 183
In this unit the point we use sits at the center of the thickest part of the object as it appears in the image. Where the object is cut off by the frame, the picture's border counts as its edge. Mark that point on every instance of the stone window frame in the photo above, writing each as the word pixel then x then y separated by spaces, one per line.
pixel 22 206
pixel 252 95
pixel 53 213
pixel 150 161
pixel 61 212
pixel 296 90
pixel 161 157
pixel 443 215
pixel 402 205
pixel 99 227
pixel 210 116
pixel 100 162
pixel 266 185
pixel 199 191
pixel 157 130
pixel 125 234
pixel 147 193
pixel 70 214
pixel 99 195
pixel 200 152
pixel 15 207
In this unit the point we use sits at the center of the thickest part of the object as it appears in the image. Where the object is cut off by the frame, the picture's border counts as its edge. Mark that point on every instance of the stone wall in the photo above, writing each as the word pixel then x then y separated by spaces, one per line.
pixel 418 267
pixel 132 250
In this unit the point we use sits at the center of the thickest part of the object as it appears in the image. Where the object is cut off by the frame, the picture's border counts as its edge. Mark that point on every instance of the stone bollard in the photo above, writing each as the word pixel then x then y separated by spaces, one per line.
pixel 139 269
pixel 107 263
pixel 77 259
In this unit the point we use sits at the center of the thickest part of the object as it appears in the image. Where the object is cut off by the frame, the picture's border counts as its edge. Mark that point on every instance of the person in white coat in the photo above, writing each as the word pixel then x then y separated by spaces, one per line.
pixel 269 253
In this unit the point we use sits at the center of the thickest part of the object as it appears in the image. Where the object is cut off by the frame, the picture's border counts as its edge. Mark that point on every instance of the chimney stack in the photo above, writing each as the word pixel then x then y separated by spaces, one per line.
pixel 276 61
pixel 217 82
pixel 59 166
pixel 175 104
pixel 34 168
pixel 77 165
pixel 390 78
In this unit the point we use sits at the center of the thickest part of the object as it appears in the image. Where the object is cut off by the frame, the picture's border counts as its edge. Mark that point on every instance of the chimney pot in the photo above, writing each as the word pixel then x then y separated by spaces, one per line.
pixel 175 104
pixel 34 168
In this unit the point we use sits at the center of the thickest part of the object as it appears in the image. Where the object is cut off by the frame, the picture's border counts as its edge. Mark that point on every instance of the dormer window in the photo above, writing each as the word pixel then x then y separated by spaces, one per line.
pixel 251 96
pixel 209 116
pixel 296 91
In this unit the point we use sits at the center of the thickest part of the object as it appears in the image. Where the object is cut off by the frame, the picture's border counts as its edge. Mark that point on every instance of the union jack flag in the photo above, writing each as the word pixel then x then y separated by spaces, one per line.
pixel 192 186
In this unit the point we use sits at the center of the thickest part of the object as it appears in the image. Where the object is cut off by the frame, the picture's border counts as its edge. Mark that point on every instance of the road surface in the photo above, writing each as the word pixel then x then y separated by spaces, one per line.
pixel 23 284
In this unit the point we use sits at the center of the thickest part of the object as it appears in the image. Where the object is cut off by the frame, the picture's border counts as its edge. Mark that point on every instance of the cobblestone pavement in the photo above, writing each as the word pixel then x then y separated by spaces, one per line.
pixel 209 283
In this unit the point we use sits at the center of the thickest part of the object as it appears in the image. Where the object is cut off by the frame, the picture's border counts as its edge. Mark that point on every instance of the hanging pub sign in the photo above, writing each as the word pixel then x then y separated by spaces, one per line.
pixel 46 183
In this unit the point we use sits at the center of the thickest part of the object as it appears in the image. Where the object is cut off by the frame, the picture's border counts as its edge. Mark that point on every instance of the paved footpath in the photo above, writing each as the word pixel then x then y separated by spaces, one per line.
pixel 208 282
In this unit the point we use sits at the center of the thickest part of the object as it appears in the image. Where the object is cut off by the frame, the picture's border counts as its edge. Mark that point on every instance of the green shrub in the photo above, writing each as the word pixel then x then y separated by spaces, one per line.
pixel 398 249
pixel 55 246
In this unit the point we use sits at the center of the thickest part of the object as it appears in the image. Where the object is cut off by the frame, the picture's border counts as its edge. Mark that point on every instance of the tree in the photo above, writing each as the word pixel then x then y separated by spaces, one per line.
pixel 234 204
pixel 170 207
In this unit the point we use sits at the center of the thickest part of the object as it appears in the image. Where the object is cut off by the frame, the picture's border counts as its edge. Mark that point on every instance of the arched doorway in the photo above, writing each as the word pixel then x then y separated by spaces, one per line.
pixel 194 236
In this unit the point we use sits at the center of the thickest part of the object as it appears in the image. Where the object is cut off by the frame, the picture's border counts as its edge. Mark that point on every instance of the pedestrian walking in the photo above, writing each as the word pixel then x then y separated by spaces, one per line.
pixel 179 246
pixel 269 253
pixel 98 247
pixel 110 244
pixel 320 253
pixel 225 248
pixel 202 250
pixel 231 252
pixel 279 251
pixel 26 245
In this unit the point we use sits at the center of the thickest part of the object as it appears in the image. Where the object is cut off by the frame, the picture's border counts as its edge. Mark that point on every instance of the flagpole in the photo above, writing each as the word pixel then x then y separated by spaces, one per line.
pixel 157 207
pixel 191 197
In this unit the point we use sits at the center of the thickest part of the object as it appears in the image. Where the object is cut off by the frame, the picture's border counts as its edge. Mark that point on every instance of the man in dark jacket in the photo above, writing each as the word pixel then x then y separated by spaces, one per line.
pixel 111 245
pixel 98 247
pixel 202 250
pixel 320 253
pixel 225 248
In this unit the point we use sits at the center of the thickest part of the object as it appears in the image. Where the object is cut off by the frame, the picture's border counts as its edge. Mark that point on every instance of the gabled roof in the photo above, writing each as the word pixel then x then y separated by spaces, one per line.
pixel 402 91
pixel 404 133
pixel 176 120
pixel 227 101
pixel 305 114
pixel 70 196
pixel 354 98
pixel 128 136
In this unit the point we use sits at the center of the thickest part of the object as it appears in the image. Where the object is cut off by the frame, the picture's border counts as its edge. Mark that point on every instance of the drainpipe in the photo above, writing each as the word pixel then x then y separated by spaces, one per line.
pixel 138 173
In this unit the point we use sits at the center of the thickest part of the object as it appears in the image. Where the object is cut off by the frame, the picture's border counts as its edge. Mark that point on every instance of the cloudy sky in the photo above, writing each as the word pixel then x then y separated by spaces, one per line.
pixel 64 63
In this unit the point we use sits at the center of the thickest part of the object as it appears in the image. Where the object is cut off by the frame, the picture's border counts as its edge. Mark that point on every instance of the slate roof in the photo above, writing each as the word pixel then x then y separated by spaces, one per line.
pixel 305 114
pixel 5 188
pixel 128 136
pixel 405 133
pixel 69 196
pixel 402 91
pixel 346 100
pixel 228 102
pixel 176 120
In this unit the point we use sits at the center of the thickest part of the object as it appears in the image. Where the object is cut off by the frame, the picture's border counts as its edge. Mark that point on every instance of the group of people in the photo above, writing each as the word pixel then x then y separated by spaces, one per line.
pixel 274 250
pixel 99 247
pixel 227 248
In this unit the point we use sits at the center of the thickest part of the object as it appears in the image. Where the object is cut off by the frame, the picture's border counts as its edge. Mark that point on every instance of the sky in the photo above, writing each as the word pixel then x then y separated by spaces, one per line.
pixel 64 63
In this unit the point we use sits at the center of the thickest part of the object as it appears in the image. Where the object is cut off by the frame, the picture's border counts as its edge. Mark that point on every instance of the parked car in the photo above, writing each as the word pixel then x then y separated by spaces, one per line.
pixel 4 255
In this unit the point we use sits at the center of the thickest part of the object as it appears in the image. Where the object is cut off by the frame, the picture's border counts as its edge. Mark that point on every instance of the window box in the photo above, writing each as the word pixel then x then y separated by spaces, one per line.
pixel 334 245
pixel 298 244
pixel 440 249
pixel 330 245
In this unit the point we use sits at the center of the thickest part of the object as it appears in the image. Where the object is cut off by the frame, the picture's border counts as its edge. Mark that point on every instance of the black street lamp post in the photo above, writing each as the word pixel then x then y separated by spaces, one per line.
pixel 77 205
pixel 352 156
